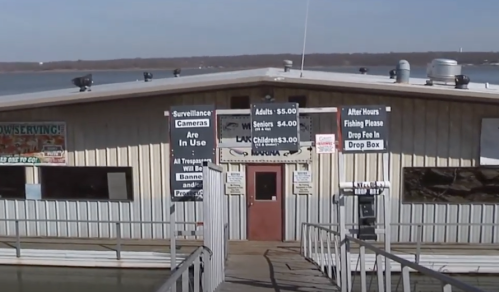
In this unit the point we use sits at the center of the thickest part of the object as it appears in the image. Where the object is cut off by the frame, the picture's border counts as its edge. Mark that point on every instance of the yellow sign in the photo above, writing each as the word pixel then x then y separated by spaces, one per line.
pixel 33 143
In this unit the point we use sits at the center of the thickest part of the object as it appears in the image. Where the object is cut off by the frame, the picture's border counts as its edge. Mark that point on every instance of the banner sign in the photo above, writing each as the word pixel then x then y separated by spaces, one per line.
pixel 33 143
pixel 364 129
pixel 237 129
pixel 275 126
pixel 192 142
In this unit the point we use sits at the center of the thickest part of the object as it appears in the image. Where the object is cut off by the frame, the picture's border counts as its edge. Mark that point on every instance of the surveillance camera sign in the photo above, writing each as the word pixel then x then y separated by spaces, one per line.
pixel 192 142
pixel 364 129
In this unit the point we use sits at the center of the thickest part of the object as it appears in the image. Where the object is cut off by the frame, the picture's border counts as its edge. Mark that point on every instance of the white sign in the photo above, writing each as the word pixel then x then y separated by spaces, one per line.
pixel 234 189
pixel 489 142
pixel 302 188
pixel 302 176
pixel 236 183
pixel 236 177
pixel 237 129
pixel 325 143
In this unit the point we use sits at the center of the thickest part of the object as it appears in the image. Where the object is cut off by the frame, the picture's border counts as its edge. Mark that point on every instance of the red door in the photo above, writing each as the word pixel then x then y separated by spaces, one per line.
pixel 264 201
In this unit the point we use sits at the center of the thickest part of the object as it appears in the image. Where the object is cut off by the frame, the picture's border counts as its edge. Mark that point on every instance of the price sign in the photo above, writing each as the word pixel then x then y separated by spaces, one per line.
pixel 275 126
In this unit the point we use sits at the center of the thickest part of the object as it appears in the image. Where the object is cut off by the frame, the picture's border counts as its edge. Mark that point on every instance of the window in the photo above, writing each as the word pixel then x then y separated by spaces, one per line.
pixel 265 186
pixel 12 182
pixel 301 100
pixel 458 185
pixel 239 102
pixel 86 183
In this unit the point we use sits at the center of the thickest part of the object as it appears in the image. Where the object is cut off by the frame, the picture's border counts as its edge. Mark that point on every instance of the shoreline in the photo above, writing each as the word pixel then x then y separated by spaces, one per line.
pixel 163 69
pixel 193 68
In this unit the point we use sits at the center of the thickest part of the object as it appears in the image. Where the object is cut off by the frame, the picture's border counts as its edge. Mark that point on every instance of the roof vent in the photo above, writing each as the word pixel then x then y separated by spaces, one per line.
pixel 176 72
pixel 462 81
pixel 363 70
pixel 442 70
pixel 403 72
pixel 287 65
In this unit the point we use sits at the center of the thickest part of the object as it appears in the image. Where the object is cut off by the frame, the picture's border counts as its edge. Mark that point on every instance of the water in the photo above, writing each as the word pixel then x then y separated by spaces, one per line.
pixel 14 83
pixel 48 279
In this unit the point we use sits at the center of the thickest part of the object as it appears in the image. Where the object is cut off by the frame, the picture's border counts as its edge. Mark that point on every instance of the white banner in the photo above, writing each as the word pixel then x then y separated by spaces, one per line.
pixel 489 142
pixel 237 129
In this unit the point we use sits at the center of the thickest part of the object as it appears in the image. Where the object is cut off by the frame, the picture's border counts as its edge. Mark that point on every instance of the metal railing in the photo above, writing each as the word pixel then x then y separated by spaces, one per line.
pixel 189 274
pixel 118 231
pixel 419 230
pixel 215 239
pixel 322 245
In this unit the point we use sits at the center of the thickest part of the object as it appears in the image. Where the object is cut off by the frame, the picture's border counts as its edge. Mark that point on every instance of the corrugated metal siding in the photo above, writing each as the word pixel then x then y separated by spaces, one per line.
pixel 135 133
pixel 422 133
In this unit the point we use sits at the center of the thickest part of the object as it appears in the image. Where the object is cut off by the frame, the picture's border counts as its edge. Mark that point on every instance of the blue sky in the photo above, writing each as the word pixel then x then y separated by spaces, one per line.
pixel 35 30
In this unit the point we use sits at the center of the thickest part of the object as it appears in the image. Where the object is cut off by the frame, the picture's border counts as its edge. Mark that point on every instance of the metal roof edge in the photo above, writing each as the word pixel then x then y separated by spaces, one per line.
pixel 125 94
pixel 389 87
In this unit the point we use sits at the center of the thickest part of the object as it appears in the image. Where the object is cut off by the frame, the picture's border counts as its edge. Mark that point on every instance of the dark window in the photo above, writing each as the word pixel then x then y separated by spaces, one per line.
pixel 239 102
pixel 452 185
pixel 265 186
pixel 301 100
pixel 86 183
pixel 12 182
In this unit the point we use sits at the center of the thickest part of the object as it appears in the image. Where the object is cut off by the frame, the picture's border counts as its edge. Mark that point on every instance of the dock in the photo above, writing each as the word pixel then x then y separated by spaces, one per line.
pixel 154 254
pixel 252 266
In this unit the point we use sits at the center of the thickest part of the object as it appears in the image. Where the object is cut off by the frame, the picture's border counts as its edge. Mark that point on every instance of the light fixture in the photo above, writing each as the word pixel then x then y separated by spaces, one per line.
pixel 176 72
pixel 268 98
pixel 462 81
pixel 147 76
pixel 84 82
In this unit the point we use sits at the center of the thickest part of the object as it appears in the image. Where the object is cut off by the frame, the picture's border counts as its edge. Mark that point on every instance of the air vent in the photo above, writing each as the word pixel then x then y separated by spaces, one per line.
pixel 442 71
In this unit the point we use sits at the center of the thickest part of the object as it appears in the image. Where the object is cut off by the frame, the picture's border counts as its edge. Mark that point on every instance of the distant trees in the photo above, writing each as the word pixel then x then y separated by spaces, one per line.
pixel 252 61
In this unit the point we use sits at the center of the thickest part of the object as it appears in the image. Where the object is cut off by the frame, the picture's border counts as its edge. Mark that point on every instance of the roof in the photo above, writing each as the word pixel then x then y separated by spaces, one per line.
pixel 252 77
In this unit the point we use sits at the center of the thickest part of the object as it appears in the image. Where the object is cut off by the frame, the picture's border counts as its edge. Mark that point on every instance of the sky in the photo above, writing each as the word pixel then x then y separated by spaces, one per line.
pixel 52 30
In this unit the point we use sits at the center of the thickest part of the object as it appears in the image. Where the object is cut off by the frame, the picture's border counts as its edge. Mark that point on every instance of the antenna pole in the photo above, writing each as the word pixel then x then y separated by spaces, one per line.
pixel 304 39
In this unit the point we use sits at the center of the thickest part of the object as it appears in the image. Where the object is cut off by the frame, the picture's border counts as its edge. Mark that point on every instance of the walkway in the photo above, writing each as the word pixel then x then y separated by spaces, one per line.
pixel 267 266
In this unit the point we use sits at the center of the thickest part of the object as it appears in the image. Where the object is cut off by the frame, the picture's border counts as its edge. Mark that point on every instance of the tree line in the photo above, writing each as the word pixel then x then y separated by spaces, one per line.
pixel 253 61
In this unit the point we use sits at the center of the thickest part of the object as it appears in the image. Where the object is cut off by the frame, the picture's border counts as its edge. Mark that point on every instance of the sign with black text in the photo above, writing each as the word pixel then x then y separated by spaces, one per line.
pixel 275 127
pixel 364 129
pixel 192 142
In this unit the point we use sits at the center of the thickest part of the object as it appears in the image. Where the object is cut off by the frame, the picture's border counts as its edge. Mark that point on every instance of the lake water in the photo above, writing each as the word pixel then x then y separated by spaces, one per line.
pixel 48 279
pixel 14 83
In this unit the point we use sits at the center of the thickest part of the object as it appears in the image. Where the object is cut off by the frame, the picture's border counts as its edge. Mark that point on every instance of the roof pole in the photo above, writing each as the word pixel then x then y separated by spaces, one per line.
pixel 304 39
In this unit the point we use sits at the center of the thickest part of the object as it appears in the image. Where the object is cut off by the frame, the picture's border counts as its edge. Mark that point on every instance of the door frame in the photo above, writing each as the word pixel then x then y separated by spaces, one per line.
pixel 283 195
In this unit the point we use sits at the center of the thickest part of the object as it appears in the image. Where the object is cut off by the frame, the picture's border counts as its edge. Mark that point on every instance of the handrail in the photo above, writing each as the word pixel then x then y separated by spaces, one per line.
pixel 421 269
pixel 321 245
pixel 118 229
pixel 456 224
pixel 182 271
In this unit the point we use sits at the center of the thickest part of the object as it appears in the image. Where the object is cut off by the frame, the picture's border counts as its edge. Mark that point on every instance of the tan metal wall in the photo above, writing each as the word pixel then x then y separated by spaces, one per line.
pixel 135 133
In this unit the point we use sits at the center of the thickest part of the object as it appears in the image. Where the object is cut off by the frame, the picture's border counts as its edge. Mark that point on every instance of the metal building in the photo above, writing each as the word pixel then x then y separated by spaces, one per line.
pixel 122 127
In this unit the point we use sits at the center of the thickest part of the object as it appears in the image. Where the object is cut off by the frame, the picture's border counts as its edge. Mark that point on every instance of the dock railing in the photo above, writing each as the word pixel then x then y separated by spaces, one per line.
pixel 419 235
pixel 321 245
pixel 188 277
